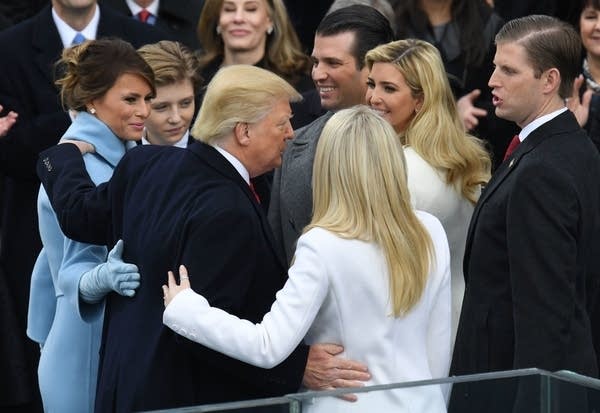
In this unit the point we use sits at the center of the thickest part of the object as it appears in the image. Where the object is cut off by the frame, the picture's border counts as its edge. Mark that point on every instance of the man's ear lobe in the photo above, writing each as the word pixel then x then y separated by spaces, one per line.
pixel 552 79
pixel 240 131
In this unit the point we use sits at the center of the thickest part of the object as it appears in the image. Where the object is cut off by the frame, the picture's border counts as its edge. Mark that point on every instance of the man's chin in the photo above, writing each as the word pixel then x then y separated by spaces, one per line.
pixel 503 114
pixel 329 104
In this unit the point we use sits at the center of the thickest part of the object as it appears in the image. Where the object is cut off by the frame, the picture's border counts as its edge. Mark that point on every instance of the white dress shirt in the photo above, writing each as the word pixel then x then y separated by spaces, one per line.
pixel 536 123
pixel 67 33
pixel 136 8
pixel 181 143
pixel 235 162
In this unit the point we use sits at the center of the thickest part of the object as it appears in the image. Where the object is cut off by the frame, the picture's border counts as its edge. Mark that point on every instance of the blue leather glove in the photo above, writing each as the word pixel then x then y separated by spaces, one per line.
pixel 113 275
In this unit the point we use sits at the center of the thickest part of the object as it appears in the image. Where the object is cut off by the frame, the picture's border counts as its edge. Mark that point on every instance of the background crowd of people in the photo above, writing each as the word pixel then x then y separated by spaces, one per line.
pixel 435 161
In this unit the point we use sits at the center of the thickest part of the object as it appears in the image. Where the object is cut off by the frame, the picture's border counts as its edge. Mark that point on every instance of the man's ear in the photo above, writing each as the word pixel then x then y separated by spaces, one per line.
pixel 552 80
pixel 240 132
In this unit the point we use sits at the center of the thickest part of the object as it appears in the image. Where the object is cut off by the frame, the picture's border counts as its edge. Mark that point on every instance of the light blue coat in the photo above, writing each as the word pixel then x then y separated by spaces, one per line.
pixel 68 330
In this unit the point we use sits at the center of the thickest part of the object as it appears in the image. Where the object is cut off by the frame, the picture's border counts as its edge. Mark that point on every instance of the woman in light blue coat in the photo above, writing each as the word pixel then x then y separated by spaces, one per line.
pixel 109 104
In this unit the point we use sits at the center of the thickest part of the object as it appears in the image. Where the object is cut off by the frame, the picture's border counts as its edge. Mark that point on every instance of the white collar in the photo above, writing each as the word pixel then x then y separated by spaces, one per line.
pixel 536 123
pixel 135 8
pixel 181 143
pixel 67 33
pixel 235 163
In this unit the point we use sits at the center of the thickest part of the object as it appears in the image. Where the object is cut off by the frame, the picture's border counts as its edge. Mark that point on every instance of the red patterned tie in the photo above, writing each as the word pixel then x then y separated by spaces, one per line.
pixel 512 146
pixel 251 185
pixel 143 15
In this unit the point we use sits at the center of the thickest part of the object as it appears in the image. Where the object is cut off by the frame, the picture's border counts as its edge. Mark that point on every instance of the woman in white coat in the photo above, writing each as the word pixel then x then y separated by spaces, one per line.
pixel 446 167
pixel 369 272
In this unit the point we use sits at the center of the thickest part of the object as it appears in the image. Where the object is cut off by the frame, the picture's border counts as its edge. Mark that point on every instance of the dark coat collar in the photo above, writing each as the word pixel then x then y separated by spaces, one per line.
pixel 218 162
pixel 565 123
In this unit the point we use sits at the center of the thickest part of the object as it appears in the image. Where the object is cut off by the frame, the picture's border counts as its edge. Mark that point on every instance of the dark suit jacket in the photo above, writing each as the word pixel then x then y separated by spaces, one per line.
pixel 19 10
pixel 291 197
pixel 4 22
pixel 532 259
pixel 177 18
pixel 172 206
pixel 512 9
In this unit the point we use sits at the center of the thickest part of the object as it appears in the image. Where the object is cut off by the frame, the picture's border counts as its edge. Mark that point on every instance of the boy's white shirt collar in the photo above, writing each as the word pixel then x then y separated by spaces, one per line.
pixel 135 8
pixel 181 143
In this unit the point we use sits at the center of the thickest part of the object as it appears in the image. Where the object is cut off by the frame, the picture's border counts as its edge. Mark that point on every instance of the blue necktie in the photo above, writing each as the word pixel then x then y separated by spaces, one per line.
pixel 79 38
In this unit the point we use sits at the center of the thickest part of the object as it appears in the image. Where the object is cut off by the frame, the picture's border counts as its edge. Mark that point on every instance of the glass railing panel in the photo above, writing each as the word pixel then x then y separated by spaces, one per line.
pixel 271 405
pixel 517 391
pixel 414 398
pixel 570 392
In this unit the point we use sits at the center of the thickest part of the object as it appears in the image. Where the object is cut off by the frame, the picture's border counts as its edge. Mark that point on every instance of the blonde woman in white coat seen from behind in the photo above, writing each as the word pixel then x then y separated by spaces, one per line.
pixel 369 273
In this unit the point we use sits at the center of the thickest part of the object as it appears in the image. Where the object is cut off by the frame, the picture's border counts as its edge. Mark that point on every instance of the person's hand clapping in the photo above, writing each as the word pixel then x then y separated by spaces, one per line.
pixel 7 121
pixel 579 104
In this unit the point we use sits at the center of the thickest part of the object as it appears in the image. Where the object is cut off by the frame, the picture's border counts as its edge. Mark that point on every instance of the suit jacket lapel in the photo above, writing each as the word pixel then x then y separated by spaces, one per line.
pixel 180 10
pixel 109 24
pixel 560 124
pixel 296 172
pixel 212 157
pixel 499 176
pixel 120 6
pixel 46 43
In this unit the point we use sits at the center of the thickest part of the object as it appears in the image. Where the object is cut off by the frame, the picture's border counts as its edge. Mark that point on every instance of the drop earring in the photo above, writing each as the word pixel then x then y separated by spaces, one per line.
pixel 218 30
pixel 270 30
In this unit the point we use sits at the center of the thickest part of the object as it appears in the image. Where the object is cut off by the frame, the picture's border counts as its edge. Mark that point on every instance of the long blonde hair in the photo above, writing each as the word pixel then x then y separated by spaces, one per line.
pixel 436 131
pixel 360 192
